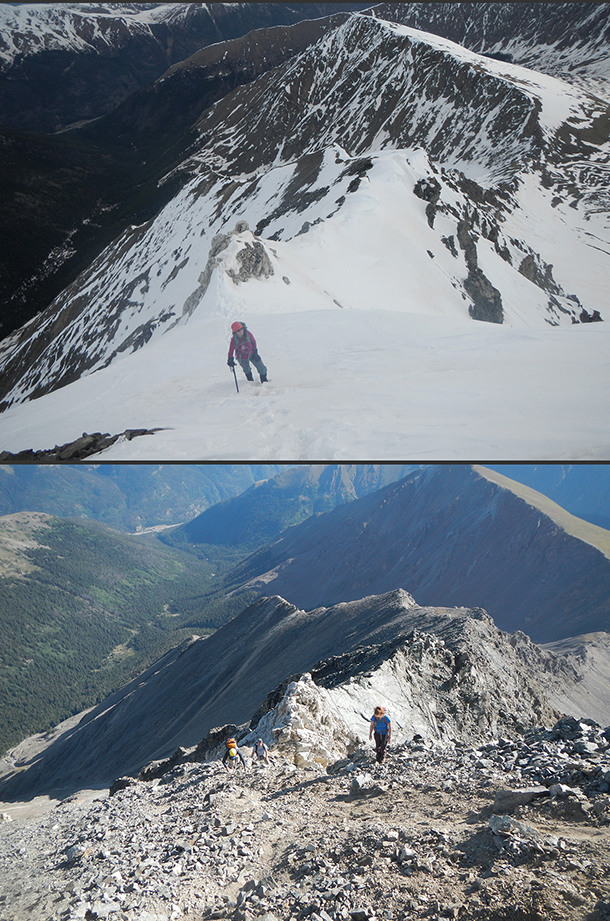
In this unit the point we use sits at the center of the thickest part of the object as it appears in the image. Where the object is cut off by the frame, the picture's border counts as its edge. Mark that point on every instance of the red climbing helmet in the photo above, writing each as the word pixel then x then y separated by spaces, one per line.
pixel 235 326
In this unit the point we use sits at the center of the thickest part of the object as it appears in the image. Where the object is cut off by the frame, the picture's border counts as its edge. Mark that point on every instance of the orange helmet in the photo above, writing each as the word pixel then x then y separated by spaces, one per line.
pixel 236 326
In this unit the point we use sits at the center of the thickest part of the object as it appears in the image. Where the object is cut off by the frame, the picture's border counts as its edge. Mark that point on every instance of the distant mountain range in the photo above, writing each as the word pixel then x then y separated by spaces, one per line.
pixel 260 514
pixel 130 497
pixel 61 63
pixel 136 496
pixel 565 40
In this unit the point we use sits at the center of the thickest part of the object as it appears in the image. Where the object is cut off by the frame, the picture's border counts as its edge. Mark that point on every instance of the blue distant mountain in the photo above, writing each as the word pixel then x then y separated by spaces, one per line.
pixel 581 489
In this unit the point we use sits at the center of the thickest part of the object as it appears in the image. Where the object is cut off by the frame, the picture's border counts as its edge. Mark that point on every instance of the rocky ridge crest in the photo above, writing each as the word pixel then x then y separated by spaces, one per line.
pixel 446 674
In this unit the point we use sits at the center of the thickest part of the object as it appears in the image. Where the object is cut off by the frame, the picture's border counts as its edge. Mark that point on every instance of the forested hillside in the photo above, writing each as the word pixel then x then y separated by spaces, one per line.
pixel 85 608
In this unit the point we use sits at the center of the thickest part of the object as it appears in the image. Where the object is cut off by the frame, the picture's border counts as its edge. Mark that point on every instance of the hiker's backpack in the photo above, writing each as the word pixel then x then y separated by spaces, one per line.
pixel 244 343
pixel 381 723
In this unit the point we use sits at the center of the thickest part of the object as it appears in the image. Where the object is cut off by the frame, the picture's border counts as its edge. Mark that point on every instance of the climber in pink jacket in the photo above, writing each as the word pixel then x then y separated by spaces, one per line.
pixel 243 346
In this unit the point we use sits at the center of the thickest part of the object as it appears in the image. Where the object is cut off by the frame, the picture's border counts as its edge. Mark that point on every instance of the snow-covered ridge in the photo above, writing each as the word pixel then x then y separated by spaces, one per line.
pixel 371 84
pixel 383 172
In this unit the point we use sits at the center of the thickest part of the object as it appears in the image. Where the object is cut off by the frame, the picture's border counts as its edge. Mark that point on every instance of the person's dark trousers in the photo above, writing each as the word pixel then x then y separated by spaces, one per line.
pixel 381 740
pixel 258 364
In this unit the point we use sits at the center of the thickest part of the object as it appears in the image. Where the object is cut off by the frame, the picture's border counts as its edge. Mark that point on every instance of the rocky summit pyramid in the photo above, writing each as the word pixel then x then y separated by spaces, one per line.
pixel 446 674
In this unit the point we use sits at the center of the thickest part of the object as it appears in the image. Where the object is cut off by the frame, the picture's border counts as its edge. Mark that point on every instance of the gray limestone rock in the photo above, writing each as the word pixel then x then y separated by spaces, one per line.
pixel 508 800
pixel 254 262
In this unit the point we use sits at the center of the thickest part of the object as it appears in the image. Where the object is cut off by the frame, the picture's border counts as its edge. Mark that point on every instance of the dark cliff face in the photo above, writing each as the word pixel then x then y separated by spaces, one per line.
pixel 448 536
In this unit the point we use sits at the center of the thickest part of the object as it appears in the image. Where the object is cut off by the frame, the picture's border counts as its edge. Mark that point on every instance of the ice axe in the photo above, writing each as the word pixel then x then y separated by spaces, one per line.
pixel 235 376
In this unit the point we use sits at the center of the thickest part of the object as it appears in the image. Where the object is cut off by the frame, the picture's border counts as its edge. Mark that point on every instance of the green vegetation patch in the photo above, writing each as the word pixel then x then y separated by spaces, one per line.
pixel 94 609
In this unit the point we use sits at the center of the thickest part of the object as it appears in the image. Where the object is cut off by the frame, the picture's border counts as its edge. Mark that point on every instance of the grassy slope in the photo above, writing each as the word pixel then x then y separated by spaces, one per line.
pixel 576 527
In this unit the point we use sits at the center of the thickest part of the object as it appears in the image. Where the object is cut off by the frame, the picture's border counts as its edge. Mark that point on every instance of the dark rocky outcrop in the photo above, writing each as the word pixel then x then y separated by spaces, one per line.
pixel 486 300
pixel 430 191
pixel 82 448
pixel 594 317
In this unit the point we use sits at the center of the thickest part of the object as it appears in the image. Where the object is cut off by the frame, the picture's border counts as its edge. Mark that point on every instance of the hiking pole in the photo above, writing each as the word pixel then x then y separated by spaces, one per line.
pixel 235 376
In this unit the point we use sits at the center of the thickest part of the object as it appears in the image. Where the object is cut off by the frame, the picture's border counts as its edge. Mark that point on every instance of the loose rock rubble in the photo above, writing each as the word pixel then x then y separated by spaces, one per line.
pixel 511 829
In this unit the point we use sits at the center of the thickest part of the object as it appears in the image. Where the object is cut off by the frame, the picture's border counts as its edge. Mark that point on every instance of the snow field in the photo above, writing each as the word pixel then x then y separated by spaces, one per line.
pixel 344 386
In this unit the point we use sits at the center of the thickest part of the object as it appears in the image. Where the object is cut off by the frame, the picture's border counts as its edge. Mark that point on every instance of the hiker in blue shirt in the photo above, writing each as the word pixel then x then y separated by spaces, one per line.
pixel 381 727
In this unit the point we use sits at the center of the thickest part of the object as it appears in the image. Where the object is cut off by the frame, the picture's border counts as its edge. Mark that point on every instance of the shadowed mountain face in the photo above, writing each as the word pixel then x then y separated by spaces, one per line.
pixel 74 62
pixel 447 535
pixel 227 679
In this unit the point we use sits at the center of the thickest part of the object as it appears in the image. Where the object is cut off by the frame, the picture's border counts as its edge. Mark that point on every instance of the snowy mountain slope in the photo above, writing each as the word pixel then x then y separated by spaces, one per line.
pixel 345 384
pixel 65 197
pixel 30 28
pixel 566 40
pixel 383 170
